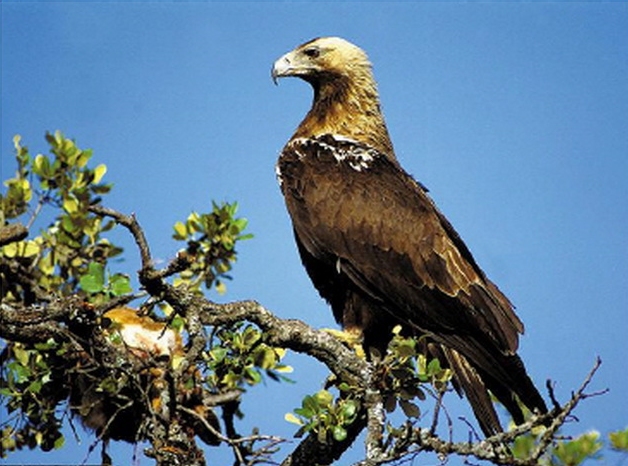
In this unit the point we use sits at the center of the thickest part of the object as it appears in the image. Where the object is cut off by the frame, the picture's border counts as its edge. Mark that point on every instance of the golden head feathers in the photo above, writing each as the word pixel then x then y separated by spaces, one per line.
pixel 346 101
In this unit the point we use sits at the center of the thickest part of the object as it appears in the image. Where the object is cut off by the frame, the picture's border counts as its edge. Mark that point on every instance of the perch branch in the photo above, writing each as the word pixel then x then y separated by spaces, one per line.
pixel 417 440
pixel 12 233
pixel 38 323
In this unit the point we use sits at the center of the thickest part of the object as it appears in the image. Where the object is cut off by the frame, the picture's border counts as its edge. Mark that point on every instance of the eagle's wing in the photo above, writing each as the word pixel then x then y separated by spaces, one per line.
pixel 352 205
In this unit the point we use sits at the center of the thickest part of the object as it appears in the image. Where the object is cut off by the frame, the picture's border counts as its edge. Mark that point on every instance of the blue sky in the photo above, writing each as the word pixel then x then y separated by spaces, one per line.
pixel 514 115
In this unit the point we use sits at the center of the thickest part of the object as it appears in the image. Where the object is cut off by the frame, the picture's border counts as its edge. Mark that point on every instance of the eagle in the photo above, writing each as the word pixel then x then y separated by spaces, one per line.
pixel 377 248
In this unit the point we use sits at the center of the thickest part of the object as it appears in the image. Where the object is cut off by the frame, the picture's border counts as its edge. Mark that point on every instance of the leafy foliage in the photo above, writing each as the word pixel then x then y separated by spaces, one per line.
pixel 619 440
pixel 327 417
pixel 238 357
pixel 403 377
pixel 211 240
pixel 58 257
pixel 31 387
pixel 405 371
pixel 572 452
pixel 71 256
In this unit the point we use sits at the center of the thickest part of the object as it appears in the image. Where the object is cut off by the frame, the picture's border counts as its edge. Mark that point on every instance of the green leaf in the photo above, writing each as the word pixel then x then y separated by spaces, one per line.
pixel 308 405
pixel 339 433
pixel 409 408
pixel 218 353
pixel 619 440
pixel 47 345
pixel 21 249
pixel 433 367
pixel 240 224
pixel 221 288
pixel 70 205
pixel 523 446
pixel 349 410
pixel 265 357
pixel 99 172
pixel 180 231
pixel 253 376
pixel 21 355
pixel 178 323
pixel 576 451
pixel 59 442
pixel 68 224
pixel 250 337
pixel 293 419
pixel 344 387
pixel 41 166
pixel 22 373
pixel 82 157
pixel 94 280
pixel 35 386
pixel 120 285
pixel 283 368
pixel 305 412
pixel 324 398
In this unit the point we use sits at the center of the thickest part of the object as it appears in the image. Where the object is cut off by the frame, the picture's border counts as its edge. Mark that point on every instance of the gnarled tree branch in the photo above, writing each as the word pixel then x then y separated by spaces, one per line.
pixel 30 323
pixel 12 233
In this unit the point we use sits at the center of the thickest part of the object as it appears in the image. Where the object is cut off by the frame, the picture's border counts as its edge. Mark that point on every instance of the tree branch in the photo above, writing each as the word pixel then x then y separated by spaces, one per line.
pixel 38 323
pixel 417 440
pixel 12 233
pixel 284 333
pixel 131 224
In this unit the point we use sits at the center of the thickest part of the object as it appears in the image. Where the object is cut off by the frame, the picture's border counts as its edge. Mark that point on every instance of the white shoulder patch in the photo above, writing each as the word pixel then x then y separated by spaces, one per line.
pixel 357 155
pixel 344 150
pixel 341 138
pixel 278 174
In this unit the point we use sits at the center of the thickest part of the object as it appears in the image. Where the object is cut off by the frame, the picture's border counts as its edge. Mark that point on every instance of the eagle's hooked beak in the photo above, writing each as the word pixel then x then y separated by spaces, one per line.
pixel 282 67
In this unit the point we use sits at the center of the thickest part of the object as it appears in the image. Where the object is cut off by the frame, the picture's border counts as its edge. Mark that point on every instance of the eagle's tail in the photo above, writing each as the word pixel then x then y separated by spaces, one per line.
pixel 477 385
pixel 519 388
pixel 467 380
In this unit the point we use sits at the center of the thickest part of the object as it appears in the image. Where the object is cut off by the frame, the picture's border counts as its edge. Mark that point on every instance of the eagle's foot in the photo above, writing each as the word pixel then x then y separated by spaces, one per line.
pixel 351 337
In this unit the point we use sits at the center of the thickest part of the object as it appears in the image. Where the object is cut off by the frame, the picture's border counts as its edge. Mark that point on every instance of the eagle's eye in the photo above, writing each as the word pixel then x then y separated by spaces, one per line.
pixel 312 52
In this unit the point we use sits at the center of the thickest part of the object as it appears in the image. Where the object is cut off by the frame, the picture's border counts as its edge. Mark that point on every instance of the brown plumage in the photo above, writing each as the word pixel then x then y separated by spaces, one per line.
pixel 375 245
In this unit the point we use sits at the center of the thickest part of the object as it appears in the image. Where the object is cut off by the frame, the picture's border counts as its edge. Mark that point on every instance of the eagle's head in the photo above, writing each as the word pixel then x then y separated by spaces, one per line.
pixel 346 102
pixel 323 60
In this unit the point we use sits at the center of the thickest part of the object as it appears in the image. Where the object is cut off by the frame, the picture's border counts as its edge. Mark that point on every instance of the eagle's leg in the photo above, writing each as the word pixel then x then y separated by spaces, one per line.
pixel 351 337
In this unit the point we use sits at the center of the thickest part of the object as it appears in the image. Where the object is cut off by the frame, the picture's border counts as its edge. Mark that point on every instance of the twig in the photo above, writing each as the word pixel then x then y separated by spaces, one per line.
pixel 131 224
pixel 559 418
pixel 17 273
pixel 234 443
